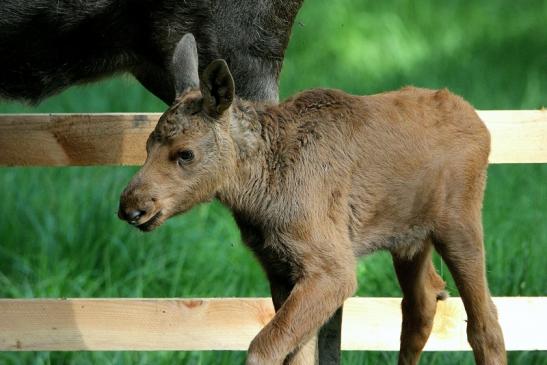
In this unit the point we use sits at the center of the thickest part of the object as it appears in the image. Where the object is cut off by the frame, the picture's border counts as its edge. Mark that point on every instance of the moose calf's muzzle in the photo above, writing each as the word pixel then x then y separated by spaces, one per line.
pixel 135 208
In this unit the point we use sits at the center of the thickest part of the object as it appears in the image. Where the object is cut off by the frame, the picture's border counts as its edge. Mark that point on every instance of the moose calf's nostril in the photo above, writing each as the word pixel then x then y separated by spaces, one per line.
pixel 134 215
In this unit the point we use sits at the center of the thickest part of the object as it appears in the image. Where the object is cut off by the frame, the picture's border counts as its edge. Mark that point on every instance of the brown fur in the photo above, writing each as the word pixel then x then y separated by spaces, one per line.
pixel 324 178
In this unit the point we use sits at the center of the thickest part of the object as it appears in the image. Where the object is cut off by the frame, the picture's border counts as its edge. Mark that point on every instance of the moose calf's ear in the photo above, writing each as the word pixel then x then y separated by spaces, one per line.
pixel 185 64
pixel 217 88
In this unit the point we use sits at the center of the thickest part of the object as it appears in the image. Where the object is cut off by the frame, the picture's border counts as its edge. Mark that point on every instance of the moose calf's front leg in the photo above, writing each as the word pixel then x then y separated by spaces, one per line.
pixel 313 300
pixel 306 354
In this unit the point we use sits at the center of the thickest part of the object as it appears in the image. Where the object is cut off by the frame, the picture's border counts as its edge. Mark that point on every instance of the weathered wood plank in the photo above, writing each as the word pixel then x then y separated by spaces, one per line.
pixel 374 324
pixel 518 136
pixel 230 324
pixel 74 139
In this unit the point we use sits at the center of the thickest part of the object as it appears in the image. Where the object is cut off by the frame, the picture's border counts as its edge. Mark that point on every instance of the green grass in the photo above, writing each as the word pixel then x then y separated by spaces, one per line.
pixel 59 235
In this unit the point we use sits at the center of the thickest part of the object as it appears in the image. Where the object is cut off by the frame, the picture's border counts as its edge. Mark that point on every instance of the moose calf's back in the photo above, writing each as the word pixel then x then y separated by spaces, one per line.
pixel 390 165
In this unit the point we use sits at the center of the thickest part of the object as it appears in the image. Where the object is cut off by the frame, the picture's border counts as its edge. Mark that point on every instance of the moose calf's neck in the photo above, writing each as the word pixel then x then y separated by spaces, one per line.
pixel 271 141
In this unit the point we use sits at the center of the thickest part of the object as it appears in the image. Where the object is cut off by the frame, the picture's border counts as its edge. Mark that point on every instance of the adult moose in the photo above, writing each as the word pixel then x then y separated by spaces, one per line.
pixel 321 179
pixel 48 45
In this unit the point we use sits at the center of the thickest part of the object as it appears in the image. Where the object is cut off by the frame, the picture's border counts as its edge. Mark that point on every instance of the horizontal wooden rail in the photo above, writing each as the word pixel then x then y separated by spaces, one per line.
pixel 518 136
pixel 230 324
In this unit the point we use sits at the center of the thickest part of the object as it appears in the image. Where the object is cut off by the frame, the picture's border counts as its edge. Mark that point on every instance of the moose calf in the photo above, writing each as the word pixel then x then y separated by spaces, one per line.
pixel 321 179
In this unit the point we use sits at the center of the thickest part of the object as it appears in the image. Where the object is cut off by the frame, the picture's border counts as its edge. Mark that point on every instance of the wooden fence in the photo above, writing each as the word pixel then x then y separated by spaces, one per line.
pixel 518 136
pixel 231 323
pixel 228 323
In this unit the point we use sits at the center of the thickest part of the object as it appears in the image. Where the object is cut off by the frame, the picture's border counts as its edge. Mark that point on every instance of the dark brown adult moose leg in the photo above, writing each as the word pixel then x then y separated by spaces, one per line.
pixel 330 340
pixel 460 243
pixel 422 287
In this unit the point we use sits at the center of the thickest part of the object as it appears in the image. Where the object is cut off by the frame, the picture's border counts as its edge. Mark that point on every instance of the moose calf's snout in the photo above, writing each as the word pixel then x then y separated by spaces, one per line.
pixel 133 215
pixel 130 214
pixel 132 208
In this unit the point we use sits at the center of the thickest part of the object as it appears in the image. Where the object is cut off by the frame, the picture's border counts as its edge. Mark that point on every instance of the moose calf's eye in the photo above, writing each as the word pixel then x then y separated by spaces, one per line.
pixel 185 156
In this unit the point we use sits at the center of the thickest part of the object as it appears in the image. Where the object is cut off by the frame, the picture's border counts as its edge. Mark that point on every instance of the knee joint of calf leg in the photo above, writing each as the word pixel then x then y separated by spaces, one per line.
pixel 258 354
pixel 342 285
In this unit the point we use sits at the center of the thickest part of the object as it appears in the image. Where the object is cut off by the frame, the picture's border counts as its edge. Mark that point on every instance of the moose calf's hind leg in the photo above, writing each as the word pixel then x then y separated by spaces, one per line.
pixel 422 287
pixel 461 247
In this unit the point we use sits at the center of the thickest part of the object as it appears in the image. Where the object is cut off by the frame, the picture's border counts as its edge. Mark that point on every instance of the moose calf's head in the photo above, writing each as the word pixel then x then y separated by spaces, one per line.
pixel 190 152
